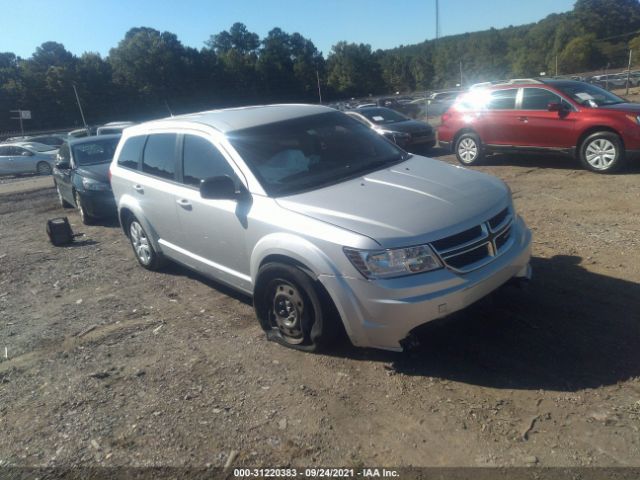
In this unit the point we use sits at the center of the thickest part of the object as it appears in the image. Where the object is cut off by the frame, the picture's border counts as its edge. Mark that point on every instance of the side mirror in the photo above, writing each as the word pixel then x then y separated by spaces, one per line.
pixel 219 188
pixel 555 107
pixel 62 165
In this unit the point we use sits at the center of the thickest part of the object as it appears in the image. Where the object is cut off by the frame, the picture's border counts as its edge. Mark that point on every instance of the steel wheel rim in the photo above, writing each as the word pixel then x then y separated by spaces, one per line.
pixel 601 153
pixel 287 309
pixel 467 150
pixel 140 243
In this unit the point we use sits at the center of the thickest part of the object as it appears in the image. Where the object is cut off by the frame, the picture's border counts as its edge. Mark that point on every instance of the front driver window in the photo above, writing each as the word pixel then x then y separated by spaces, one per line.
pixel 201 159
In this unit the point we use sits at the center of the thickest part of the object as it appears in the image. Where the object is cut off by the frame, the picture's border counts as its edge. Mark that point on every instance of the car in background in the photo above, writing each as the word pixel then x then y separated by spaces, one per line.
pixel 403 131
pixel 53 140
pixel 113 127
pixel 82 132
pixel 324 222
pixel 561 116
pixel 20 158
pixel 81 176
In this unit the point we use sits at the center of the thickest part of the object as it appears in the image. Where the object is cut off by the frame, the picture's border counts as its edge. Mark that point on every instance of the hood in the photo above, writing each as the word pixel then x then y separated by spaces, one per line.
pixel 622 107
pixel 409 126
pixel 98 172
pixel 413 202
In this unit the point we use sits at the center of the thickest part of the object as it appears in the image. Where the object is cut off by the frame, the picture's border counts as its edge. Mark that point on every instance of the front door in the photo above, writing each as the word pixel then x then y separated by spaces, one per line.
pixel 541 128
pixel 213 231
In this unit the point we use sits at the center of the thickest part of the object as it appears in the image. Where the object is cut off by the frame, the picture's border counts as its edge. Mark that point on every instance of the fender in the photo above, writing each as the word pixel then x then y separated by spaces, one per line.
pixel 294 247
pixel 129 202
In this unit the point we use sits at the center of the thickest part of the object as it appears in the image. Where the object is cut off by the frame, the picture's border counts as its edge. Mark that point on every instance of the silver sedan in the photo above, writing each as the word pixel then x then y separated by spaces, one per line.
pixel 26 157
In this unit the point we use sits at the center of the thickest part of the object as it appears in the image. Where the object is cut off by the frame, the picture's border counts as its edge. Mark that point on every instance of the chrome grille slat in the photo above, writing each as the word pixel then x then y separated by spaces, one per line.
pixel 464 255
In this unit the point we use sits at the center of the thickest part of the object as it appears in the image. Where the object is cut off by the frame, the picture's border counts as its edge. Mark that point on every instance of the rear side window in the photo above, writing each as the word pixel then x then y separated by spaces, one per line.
pixel 159 155
pixel 4 152
pixel 538 99
pixel 131 151
pixel 63 153
pixel 201 159
pixel 503 99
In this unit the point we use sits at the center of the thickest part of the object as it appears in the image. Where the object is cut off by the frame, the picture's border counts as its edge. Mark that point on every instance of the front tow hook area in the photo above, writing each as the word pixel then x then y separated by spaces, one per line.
pixel 522 278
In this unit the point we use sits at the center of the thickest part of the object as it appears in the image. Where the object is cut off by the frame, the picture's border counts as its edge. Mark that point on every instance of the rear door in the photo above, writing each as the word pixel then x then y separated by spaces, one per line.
pixel 7 166
pixel 213 231
pixel 154 186
pixel 499 118
pixel 538 127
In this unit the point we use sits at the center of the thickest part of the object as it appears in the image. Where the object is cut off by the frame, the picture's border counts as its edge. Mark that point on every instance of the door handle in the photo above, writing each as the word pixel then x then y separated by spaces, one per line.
pixel 184 203
pixel 523 119
pixel 138 188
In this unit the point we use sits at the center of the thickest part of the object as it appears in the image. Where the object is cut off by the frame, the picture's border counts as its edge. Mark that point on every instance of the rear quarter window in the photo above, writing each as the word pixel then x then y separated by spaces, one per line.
pixel 131 152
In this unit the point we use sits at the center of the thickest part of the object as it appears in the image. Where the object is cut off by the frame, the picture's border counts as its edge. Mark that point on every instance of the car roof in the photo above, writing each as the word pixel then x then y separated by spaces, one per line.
pixel 232 119
pixel 93 138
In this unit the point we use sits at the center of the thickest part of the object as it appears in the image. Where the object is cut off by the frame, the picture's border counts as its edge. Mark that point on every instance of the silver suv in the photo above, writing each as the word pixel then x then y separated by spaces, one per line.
pixel 324 222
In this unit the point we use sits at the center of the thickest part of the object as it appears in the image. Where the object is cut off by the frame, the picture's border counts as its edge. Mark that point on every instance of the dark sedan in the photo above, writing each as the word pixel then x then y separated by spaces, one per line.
pixel 81 176
pixel 402 130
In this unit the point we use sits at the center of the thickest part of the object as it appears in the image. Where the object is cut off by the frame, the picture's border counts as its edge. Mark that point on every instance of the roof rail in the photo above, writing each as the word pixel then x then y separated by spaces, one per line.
pixel 523 80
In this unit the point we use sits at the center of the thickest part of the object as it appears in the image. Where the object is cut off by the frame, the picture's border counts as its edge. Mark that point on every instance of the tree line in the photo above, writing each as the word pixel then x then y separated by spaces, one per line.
pixel 151 74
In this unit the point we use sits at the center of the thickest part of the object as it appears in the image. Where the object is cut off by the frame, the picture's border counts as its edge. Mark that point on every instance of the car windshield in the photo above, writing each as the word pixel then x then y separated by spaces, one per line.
pixel 588 95
pixel 383 116
pixel 95 152
pixel 311 152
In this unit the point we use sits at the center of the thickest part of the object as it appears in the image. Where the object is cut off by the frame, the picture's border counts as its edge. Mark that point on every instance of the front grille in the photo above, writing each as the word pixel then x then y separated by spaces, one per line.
pixel 475 247
pixel 423 133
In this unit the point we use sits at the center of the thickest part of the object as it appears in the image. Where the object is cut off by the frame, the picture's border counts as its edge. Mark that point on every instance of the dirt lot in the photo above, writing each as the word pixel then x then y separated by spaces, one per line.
pixel 109 364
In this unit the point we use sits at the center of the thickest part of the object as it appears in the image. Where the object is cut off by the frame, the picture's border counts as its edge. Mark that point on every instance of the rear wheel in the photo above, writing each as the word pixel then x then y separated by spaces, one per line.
pixel 291 309
pixel 469 149
pixel 43 168
pixel 602 152
pixel 142 248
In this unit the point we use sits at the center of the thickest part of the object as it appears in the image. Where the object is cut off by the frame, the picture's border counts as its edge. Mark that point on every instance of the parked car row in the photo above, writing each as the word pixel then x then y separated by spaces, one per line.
pixel 37 153
pixel 561 116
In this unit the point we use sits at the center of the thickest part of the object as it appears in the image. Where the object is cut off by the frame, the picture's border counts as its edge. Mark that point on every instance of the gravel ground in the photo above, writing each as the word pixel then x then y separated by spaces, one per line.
pixel 108 364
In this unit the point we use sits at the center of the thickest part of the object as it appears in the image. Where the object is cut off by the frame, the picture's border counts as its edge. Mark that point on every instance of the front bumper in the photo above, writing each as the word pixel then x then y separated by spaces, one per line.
pixel 381 313
pixel 99 204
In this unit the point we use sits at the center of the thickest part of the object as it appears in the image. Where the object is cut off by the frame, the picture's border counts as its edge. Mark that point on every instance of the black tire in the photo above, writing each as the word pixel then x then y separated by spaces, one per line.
pixel 602 152
pixel 306 320
pixel 63 202
pixel 468 149
pixel 82 211
pixel 142 247
pixel 43 168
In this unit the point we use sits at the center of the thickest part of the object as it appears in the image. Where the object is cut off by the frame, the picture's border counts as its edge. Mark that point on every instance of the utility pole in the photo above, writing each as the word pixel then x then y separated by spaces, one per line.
pixel 556 65
pixel 19 117
pixel 319 91
pixel 437 20
pixel 84 122
pixel 628 72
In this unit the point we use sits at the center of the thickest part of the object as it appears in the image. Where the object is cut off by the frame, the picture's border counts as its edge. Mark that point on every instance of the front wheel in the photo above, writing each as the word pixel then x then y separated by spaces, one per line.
pixel 290 308
pixel 82 210
pixel 43 168
pixel 469 149
pixel 602 152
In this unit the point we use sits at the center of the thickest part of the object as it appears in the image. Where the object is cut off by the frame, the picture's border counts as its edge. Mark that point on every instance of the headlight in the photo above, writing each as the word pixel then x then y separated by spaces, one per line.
pixel 402 135
pixel 91 184
pixel 396 262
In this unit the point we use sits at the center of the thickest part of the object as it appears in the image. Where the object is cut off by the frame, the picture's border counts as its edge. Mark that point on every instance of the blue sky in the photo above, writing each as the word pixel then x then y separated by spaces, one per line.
pixel 97 26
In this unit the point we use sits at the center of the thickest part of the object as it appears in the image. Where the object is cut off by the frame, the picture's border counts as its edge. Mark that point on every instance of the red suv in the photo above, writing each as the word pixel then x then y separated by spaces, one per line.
pixel 566 116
